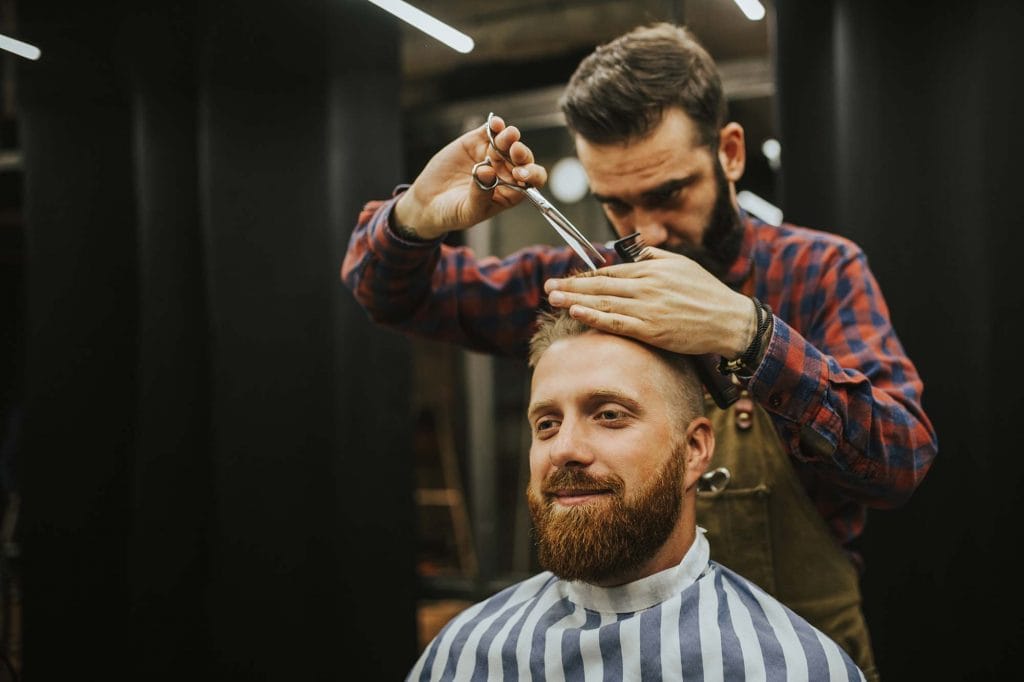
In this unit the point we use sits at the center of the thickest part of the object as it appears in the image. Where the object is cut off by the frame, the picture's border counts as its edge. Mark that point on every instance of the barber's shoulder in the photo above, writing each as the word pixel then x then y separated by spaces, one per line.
pixel 795 239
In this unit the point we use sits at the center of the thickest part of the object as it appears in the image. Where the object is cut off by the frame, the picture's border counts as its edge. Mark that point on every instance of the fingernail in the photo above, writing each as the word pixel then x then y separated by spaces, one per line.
pixel 520 173
pixel 556 297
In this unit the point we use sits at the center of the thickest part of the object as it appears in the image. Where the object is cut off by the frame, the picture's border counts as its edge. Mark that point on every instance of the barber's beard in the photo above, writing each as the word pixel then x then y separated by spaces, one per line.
pixel 609 537
pixel 723 235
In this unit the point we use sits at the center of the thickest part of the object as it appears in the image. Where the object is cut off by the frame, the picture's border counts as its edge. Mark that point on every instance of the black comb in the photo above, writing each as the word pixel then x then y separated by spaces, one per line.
pixel 724 392
pixel 631 248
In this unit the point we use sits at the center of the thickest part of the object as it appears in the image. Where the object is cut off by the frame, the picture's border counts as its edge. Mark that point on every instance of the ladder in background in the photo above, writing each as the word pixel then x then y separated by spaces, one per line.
pixel 433 396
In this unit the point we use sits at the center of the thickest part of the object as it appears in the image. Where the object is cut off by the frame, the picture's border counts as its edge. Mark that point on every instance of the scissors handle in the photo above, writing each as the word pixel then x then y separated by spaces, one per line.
pixel 497 178
pixel 569 232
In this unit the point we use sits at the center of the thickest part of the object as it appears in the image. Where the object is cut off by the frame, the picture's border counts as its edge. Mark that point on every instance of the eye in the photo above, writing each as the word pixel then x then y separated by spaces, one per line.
pixel 545 427
pixel 658 199
pixel 611 416
pixel 616 207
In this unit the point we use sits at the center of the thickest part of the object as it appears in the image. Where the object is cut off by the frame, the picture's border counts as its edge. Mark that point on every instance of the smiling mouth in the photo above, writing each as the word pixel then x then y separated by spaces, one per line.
pixel 571 497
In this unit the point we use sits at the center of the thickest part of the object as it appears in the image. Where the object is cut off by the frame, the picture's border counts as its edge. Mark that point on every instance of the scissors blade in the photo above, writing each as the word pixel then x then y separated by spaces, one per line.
pixel 553 213
pixel 569 232
pixel 570 240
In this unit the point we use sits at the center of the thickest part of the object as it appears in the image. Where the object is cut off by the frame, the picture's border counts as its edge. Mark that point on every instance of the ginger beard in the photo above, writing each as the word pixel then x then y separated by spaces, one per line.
pixel 610 536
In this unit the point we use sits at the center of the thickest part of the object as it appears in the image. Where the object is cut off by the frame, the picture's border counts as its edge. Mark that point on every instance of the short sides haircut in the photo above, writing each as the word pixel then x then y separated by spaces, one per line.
pixel 619 93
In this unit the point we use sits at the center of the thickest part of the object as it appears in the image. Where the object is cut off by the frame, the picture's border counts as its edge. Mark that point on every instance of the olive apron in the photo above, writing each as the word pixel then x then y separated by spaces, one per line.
pixel 762 524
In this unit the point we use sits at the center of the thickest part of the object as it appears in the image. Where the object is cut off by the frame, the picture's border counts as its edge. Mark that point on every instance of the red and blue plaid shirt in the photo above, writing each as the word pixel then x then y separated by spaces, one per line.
pixel 844 397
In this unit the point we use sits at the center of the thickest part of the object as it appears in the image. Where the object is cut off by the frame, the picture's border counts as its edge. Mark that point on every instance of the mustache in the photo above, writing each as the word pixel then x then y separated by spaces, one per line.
pixel 571 479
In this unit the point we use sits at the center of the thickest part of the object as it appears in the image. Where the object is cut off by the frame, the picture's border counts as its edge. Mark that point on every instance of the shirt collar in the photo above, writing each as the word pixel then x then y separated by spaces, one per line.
pixel 646 592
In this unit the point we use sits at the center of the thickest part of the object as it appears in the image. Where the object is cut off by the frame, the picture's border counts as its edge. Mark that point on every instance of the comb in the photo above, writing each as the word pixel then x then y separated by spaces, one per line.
pixel 631 248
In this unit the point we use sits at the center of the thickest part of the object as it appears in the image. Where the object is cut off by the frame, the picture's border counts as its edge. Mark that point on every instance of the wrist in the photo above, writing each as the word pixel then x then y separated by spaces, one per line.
pixel 406 219
pixel 747 362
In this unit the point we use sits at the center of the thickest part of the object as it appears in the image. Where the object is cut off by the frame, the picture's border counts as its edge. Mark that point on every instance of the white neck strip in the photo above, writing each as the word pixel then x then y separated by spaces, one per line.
pixel 646 592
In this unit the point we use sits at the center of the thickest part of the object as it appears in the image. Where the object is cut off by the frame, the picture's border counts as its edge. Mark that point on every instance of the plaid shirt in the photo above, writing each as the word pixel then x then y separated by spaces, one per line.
pixel 844 397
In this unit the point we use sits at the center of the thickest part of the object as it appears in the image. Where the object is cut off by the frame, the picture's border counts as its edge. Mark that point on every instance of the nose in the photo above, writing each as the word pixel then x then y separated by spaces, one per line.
pixel 652 229
pixel 569 447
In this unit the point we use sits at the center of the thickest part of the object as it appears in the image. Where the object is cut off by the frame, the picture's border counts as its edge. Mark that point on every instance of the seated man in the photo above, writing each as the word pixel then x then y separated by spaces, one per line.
pixel 619 443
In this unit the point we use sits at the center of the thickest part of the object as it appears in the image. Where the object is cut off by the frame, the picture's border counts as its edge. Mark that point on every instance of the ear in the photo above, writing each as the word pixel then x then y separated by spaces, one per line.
pixel 732 151
pixel 700 446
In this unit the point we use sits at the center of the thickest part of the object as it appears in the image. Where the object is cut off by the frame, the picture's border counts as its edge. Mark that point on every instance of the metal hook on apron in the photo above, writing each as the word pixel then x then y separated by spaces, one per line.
pixel 713 482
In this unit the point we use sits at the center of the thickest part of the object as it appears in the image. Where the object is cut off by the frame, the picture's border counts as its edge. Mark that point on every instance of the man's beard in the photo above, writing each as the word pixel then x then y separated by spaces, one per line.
pixel 609 537
pixel 723 235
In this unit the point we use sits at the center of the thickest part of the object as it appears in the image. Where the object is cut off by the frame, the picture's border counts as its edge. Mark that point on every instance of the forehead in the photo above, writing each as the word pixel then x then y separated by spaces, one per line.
pixel 671 151
pixel 572 368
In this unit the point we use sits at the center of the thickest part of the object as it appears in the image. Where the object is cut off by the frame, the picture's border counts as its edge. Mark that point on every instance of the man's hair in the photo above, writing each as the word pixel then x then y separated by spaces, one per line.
pixel 556 325
pixel 619 93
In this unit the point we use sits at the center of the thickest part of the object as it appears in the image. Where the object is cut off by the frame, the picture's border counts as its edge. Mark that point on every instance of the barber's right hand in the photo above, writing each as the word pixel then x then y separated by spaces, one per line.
pixel 444 197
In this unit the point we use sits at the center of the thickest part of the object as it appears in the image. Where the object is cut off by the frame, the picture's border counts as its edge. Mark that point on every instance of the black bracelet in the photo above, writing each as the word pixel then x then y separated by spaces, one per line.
pixel 745 364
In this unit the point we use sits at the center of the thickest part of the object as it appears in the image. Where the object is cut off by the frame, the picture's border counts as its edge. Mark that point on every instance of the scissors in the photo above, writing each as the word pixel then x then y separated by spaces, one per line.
pixel 563 226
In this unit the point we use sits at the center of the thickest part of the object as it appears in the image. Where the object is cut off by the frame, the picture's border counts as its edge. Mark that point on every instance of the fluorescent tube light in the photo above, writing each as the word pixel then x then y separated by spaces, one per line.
pixel 19 48
pixel 752 8
pixel 434 28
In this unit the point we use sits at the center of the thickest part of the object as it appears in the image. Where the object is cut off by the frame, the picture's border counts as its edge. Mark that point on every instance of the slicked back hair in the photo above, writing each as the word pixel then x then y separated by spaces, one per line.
pixel 620 92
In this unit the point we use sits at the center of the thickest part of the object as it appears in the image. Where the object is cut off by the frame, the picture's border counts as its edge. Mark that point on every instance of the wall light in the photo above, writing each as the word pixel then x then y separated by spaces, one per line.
pixel 568 181
pixel 435 28
pixel 752 8
pixel 19 48
pixel 772 150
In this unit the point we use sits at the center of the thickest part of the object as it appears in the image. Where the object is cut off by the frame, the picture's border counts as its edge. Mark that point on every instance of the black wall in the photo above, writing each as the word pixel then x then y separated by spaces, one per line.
pixel 899 125
pixel 209 467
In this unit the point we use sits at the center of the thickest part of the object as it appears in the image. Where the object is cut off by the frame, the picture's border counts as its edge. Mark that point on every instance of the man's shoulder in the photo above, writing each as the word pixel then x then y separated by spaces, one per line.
pixel 790 236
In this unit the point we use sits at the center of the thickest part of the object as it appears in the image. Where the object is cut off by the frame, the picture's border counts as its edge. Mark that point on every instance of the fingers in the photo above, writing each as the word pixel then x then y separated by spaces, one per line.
pixel 605 304
pixel 623 325
pixel 609 282
pixel 532 173
pixel 508 140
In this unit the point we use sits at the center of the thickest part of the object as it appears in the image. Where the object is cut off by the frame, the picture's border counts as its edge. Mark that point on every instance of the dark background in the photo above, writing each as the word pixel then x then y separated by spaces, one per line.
pixel 212 460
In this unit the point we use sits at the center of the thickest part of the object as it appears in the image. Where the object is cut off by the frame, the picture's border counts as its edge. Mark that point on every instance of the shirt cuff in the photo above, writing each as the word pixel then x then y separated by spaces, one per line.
pixel 388 245
pixel 792 383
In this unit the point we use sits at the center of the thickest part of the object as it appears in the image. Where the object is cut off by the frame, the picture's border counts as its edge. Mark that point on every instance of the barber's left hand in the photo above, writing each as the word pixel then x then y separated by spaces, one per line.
pixel 666 300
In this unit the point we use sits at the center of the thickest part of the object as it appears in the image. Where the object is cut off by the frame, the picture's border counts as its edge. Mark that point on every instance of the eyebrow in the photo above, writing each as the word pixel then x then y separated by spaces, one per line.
pixel 666 187
pixel 595 397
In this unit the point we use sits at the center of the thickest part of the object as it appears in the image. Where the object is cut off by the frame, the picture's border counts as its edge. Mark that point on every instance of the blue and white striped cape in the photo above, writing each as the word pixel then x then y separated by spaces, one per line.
pixel 697 621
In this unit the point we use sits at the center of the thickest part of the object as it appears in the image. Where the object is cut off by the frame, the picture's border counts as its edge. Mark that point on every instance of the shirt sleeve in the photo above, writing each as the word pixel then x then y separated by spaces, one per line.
pixel 844 396
pixel 446 293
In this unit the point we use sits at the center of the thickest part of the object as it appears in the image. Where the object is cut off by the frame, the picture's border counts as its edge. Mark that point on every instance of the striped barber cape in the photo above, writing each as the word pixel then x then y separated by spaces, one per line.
pixel 696 621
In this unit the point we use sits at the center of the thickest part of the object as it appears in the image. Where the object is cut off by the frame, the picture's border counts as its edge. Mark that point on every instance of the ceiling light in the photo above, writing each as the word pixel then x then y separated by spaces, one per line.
pixel 457 40
pixel 752 8
pixel 19 48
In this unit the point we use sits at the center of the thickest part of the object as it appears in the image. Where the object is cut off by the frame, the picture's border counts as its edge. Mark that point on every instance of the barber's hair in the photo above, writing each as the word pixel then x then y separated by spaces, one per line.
pixel 558 324
pixel 620 92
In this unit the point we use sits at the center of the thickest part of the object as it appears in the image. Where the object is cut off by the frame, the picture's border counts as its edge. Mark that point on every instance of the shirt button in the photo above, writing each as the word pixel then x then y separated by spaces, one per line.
pixel 744 412
pixel 775 400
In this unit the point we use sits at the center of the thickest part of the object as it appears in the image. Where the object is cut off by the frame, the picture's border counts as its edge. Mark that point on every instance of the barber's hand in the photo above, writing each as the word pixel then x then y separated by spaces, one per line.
pixel 667 300
pixel 445 198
